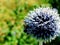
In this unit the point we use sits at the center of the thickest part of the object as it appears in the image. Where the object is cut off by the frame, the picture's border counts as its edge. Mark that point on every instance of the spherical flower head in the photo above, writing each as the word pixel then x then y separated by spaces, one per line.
pixel 42 23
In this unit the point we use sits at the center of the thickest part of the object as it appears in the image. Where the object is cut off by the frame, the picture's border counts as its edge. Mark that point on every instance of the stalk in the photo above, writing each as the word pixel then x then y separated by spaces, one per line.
pixel 41 42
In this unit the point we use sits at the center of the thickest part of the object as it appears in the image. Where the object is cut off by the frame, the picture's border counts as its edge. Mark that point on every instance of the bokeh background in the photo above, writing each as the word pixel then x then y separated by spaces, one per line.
pixel 12 14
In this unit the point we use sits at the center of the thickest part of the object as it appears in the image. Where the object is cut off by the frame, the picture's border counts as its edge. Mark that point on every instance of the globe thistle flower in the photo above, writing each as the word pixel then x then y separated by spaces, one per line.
pixel 43 23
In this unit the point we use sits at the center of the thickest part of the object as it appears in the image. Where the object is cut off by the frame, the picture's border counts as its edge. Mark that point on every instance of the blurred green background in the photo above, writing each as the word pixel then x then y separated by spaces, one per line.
pixel 12 14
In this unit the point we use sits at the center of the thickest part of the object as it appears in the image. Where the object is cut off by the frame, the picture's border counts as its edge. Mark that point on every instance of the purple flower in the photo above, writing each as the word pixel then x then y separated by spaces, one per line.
pixel 42 23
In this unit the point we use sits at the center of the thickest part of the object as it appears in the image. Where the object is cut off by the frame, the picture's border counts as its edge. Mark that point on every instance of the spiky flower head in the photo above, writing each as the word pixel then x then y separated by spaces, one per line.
pixel 42 23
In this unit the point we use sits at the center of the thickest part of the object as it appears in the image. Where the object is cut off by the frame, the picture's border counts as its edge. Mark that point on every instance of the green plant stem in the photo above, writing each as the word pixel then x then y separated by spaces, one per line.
pixel 40 42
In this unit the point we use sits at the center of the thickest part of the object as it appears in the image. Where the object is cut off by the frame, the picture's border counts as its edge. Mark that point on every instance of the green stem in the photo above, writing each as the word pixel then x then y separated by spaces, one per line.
pixel 40 42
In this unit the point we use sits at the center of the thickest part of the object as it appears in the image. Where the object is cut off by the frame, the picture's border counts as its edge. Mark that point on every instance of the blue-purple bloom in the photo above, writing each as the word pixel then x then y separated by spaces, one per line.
pixel 43 23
